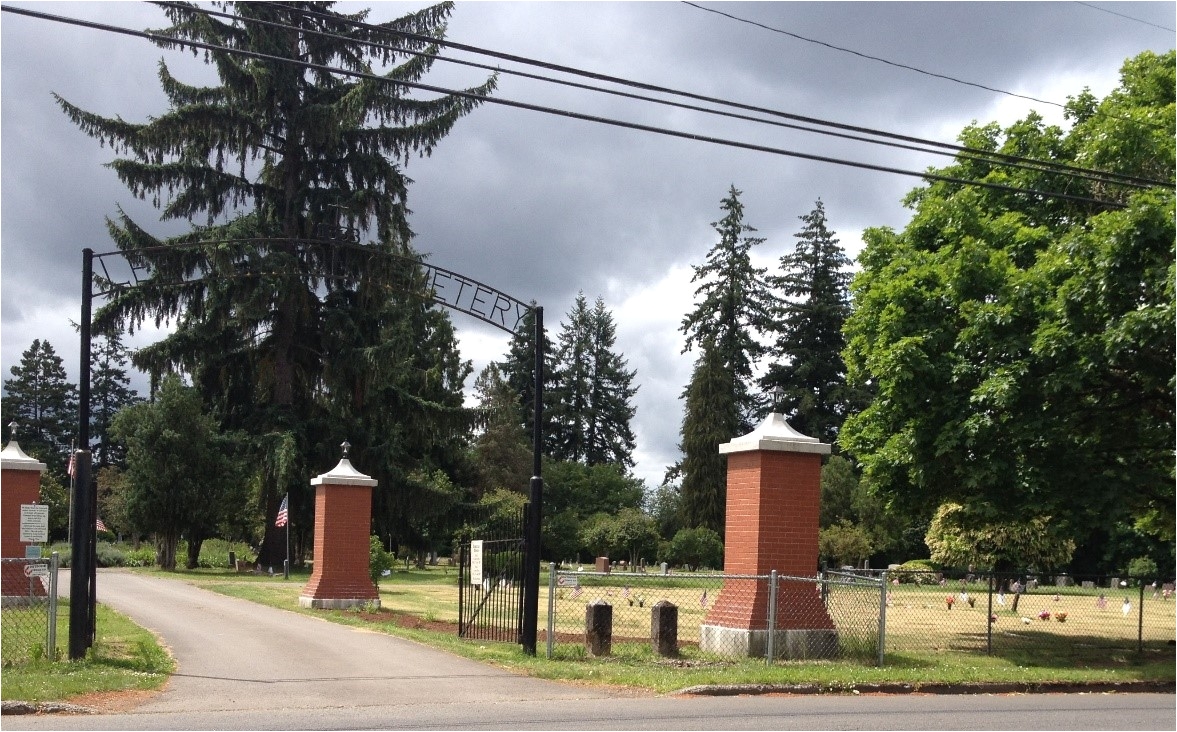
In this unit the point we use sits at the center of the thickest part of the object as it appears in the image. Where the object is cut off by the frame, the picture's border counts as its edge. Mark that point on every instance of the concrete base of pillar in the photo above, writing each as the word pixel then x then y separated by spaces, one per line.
pixel 328 603
pixel 789 644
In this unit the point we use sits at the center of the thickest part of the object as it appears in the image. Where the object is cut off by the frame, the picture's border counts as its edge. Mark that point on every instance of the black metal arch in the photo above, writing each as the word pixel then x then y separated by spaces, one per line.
pixel 446 287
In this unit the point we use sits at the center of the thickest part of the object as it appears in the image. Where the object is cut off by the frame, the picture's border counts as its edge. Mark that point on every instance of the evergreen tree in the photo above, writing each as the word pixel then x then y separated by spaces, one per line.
pixel 814 286
pixel 274 154
pixel 733 304
pixel 518 369
pixel 502 448
pixel 42 403
pixel 110 391
pixel 711 417
pixel 591 398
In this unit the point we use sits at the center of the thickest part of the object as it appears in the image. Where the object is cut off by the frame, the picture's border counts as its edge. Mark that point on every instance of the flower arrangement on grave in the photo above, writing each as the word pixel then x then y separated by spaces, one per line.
pixel 949 600
pixel 1061 617
pixel 1044 615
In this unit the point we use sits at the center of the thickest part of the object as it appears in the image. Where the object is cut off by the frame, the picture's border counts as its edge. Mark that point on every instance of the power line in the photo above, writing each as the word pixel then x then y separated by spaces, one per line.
pixel 1129 17
pixel 1033 163
pixel 167 40
pixel 935 148
pixel 896 64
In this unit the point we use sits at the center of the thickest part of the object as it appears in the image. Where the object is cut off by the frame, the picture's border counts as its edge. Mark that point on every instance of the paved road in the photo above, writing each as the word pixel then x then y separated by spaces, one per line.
pixel 245 666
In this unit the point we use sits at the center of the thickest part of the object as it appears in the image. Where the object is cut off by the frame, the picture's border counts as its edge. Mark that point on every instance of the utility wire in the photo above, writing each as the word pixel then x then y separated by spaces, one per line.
pixel 1105 176
pixel 896 64
pixel 167 40
pixel 964 152
pixel 1093 6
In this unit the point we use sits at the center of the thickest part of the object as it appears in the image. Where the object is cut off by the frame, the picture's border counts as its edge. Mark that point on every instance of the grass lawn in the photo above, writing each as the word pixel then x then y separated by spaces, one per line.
pixel 422 605
pixel 124 657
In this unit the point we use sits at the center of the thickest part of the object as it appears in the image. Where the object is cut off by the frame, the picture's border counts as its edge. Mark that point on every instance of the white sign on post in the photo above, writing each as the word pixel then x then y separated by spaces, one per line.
pixel 476 562
pixel 34 523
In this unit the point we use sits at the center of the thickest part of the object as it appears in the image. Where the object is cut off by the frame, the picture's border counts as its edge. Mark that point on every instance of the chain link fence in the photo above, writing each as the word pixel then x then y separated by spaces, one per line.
pixel 715 616
pixel 28 609
pixel 1010 614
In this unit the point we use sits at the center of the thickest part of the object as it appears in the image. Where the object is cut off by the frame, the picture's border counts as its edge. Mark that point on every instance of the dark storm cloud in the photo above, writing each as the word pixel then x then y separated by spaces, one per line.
pixel 542 207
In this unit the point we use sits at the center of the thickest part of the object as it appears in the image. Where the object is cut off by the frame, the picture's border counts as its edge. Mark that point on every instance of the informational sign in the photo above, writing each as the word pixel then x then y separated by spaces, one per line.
pixel 34 523
pixel 36 570
pixel 476 562
pixel 567 580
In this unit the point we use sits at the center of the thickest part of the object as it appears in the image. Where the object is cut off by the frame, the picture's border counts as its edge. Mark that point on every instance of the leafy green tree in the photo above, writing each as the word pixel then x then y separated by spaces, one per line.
pixel 983 537
pixel 697 547
pixel 664 505
pixel 589 489
pixel 110 391
pixel 628 534
pixel 43 403
pixel 591 400
pixel 813 285
pixel 1022 349
pixel 844 543
pixel 181 474
pixel 274 154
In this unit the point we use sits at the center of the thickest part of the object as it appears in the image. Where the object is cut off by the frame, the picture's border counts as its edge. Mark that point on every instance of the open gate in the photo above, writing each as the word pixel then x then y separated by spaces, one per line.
pixel 490 578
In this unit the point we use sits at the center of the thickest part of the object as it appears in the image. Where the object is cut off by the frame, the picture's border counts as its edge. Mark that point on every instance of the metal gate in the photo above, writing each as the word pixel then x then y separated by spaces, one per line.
pixel 490 577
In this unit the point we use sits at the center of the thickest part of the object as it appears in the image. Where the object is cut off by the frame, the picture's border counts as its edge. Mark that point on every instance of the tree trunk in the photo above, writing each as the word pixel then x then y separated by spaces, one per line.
pixel 194 545
pixel 165 550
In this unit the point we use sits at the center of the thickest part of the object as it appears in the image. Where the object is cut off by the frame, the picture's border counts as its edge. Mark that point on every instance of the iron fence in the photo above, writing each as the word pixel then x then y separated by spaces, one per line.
pixel 1012 614
pixel 28 609
pixel 715 616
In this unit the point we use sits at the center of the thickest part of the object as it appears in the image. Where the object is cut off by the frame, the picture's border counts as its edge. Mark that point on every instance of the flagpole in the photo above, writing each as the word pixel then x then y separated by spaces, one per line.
pixel 286 566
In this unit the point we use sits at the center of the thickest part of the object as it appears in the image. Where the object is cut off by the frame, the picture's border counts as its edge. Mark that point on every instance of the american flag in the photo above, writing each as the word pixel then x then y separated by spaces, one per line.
pixel 576 592
pixel 99 525
pixel 703 599
pixel 283 511
pixel 625 592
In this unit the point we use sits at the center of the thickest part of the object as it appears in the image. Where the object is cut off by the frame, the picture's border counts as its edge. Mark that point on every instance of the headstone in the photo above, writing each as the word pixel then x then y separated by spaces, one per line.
pixel 664 628
pixel 1088 585
pixel 665 567
pixel 598 628
pixel 602 564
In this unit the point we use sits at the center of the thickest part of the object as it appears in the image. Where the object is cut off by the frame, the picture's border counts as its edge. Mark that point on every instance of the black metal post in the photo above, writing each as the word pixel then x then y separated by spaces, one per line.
pixel 535 499
pixel 82 590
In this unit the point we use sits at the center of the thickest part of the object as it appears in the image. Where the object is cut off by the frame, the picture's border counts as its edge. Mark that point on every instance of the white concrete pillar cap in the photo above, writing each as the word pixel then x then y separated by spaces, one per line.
pixel 344 474
pixel 14 458
pixel 774 433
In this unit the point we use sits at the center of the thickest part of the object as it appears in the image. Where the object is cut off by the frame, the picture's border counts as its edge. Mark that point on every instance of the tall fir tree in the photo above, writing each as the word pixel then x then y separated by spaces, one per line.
pixel 43 403
pixel 732 306
pixel 502 447
pixel 813 285
pixel 592 395
pixel 518 370
pixel 274 154
pixel 110 391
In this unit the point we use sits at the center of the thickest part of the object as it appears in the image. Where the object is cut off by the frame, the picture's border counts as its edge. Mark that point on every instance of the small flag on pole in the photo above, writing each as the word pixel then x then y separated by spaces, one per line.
pixel 73 464
pixel 576 592
pixel 99 525
pixel 703 599
pixel 625 592
pixel 283 511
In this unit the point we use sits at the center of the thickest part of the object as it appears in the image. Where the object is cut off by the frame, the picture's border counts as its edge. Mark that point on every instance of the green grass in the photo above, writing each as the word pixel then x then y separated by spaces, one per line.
pixel 431 594
pixel 124 657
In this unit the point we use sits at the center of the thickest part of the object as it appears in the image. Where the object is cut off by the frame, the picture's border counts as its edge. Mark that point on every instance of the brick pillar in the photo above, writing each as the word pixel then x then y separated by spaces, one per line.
pixel 343 523
pixel 773 500
pixel 20 484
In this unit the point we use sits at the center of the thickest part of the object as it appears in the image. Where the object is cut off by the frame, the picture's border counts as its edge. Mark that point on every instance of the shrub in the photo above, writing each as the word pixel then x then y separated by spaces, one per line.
pixel 916 571
pixel 1142 568
pixel 109 555
pixel 379 559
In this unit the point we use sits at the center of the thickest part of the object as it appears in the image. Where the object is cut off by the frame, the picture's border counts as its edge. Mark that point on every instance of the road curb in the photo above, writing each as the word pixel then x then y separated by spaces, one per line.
pixel 1046 687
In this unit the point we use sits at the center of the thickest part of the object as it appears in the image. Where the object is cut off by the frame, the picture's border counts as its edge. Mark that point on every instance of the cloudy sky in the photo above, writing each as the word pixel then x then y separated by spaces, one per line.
pixel 544 206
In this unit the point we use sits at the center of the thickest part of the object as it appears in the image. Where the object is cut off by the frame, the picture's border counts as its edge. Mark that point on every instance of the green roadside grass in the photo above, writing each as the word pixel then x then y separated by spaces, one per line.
pixel 418 604
pixel 124 657
pixel 430 597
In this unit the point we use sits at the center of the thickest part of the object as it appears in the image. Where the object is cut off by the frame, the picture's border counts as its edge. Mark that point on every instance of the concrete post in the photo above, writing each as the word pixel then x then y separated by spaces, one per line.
pixel 598 628
pixel 664 628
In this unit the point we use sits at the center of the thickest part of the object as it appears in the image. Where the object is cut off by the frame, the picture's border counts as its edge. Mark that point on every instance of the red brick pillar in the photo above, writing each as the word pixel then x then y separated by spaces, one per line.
pixel 343 523
pixel 773 500
pixel 20 484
